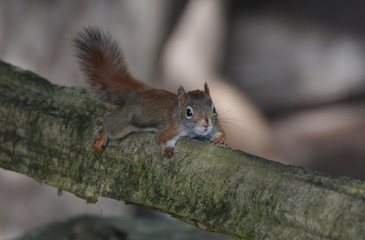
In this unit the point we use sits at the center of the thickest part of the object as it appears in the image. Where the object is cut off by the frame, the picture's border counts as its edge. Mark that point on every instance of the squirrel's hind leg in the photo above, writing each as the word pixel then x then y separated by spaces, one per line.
pixel 104 138
pixel 115 126
pixel 102 141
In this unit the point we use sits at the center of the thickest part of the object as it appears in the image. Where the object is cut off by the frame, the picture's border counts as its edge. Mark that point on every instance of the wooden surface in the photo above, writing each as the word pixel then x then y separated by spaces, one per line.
pixel 47 132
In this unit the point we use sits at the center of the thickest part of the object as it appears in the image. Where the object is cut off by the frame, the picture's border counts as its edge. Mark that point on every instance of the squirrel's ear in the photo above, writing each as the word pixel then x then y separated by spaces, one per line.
pixel 206 89
pixel 181 95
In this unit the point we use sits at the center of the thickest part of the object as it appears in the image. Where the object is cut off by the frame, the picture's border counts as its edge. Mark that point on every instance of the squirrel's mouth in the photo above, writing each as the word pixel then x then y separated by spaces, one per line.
pixel 203 131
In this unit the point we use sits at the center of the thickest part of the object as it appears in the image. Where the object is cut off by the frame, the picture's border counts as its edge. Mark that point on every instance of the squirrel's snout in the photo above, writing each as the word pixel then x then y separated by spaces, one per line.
pixel 205 123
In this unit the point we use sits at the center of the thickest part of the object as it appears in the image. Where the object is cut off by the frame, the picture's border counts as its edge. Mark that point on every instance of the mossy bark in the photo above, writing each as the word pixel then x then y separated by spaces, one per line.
pixel 47 132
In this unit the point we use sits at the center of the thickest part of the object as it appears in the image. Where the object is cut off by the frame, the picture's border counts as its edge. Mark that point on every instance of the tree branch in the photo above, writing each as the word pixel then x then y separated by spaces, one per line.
pixel 47 131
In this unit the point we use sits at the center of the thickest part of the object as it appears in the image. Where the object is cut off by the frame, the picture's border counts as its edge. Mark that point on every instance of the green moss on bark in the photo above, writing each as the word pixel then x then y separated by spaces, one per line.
pixel 47 132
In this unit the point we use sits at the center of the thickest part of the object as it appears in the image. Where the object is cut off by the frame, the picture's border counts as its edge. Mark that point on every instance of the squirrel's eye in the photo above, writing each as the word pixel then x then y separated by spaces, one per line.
pixel 189 112
pixel 213 110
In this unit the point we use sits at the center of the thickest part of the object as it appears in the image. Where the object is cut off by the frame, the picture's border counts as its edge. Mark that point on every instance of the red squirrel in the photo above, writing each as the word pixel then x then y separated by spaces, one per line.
pixel 142 107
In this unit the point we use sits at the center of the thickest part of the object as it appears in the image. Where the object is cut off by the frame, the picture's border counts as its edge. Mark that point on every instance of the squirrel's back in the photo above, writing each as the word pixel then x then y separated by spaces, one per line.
pixel 104 67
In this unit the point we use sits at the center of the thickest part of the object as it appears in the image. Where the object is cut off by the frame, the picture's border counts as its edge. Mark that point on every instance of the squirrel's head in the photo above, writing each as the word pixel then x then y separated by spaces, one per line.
pixel 197 111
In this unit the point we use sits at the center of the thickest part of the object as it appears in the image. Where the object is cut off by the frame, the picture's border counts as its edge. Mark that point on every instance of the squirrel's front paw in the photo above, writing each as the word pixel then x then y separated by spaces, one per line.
pixel 168 152
pixel 219 140
pixel 98 146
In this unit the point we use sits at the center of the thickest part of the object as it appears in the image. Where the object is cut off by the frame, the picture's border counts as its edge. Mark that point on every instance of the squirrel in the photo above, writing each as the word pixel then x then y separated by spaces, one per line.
pixel 142 107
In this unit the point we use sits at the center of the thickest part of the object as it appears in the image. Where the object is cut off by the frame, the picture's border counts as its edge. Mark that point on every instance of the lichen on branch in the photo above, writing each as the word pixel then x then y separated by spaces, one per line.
pixel 47 132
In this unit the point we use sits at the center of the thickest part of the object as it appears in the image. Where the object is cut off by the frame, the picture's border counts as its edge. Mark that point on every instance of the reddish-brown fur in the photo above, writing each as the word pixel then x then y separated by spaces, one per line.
pixel 100 62
pixel 167 134
pixel 220 139
pixel 143 108
pixel 104 67
pixel 101 141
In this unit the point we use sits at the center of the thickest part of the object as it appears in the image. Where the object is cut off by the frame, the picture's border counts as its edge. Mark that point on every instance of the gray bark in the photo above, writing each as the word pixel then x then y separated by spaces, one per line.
pixel 47 132
pixel 111 228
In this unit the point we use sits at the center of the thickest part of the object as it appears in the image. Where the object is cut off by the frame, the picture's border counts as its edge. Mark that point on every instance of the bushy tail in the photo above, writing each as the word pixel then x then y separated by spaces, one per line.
pixel 103 64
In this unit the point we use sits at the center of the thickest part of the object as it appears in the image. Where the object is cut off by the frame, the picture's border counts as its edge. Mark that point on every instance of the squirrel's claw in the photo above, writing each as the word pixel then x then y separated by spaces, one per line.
pixel 219 141
pixel 168 152
pixel 98 146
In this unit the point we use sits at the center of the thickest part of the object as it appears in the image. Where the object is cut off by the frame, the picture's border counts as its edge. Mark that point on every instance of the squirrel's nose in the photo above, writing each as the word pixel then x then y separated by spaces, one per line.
pixel 206 123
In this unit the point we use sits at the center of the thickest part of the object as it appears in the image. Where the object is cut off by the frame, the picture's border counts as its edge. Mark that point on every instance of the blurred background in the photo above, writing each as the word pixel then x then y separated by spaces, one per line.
pixel 287 78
